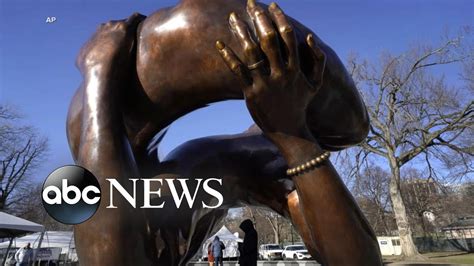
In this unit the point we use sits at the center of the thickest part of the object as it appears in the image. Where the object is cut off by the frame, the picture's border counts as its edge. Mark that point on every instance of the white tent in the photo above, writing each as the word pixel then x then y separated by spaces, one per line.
pixel 51 239
pixel 12 226
pixel 62 240
pixel 230 241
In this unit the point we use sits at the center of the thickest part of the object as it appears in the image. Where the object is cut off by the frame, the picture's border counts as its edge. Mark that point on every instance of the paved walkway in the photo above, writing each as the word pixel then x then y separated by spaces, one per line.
pixel 313 263
pixel 262 263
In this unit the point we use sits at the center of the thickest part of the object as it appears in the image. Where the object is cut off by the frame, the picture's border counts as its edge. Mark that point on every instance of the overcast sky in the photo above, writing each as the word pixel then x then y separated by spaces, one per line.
pixel 37 73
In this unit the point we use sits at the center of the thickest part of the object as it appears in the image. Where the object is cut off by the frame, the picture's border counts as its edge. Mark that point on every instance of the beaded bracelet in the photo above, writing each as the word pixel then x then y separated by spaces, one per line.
pixel 308 165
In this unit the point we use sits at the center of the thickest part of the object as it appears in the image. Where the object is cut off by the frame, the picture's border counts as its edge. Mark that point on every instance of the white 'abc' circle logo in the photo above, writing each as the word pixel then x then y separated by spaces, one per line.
pixel 71 194
pixel 66 189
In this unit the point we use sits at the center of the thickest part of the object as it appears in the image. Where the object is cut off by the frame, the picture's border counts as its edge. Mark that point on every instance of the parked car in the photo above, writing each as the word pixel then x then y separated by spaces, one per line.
pixel 270 252
pixel 295 252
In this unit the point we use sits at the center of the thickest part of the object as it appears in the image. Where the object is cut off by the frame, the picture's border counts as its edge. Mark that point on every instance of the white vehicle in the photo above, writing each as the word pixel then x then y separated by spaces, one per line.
pixel 295 252
pixel 270 252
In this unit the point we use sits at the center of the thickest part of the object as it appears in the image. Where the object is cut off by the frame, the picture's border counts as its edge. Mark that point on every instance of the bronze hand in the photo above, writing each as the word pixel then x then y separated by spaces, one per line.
pixel 278 96
pixel 277 100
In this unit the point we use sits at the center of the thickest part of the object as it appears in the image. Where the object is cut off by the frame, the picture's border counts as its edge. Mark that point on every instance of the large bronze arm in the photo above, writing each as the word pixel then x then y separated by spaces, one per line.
pixel 178 71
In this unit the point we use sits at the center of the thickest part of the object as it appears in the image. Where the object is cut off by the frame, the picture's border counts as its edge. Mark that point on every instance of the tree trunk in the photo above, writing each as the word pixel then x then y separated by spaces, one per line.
pixel 274 225
pixel 384 222
pixel 408 246
pixel 277 238
pixel 423 224
pixel 2 203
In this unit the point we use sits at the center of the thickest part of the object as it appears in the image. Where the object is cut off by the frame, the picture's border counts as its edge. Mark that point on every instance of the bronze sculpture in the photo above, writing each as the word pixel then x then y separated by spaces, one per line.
pixel 140 75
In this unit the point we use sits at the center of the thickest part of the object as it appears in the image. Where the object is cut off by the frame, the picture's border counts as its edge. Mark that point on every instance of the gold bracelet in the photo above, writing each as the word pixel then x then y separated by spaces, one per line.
pixel 309 164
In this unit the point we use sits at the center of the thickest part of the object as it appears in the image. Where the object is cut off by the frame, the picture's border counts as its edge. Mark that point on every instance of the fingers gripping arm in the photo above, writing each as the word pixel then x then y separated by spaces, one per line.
pixel 278 100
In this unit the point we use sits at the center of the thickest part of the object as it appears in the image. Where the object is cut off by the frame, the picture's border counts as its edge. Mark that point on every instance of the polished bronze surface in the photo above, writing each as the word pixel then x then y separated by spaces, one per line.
pixel 141 74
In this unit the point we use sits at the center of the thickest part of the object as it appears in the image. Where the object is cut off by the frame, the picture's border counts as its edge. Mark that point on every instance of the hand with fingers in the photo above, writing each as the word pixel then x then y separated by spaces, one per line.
pixel 276 91
pixel 277 94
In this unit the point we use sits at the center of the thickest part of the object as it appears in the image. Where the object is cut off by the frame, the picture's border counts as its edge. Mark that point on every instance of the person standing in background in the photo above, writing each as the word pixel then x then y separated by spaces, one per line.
pixel 24 256
pixel 249 250
pixel 217 247
pixel 210 257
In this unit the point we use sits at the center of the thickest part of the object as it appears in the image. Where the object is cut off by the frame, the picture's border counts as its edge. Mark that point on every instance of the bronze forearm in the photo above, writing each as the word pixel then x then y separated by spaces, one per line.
pixel 336 224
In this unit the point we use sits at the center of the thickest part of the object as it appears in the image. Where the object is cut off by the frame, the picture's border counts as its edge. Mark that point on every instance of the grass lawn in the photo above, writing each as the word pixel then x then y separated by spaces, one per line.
pixel 451 257
pixel 437 257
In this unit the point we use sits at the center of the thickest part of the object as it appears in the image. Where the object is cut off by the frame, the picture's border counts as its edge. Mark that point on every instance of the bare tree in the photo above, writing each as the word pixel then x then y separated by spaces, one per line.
pixel 276 222
pixel 30 207
pixel 423 198
pixel 21 150
pixel 417 117
pixel 371 192
pixel 271 227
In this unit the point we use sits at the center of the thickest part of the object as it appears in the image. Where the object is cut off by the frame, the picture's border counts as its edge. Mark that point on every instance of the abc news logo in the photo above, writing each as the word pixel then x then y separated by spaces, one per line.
pixel 71 194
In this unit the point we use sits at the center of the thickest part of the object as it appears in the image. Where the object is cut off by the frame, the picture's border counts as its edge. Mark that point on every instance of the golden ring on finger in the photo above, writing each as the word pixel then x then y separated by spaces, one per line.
pixel 256 65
